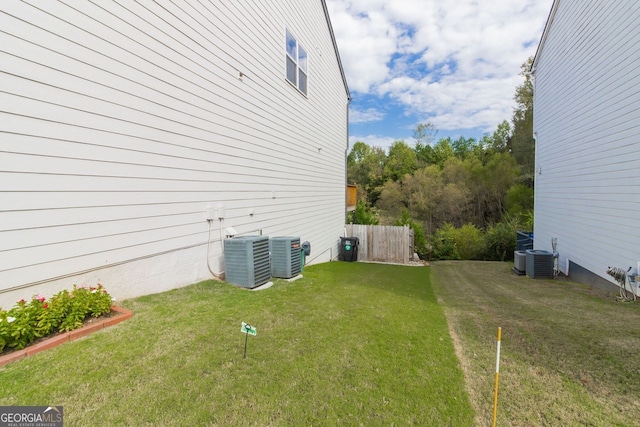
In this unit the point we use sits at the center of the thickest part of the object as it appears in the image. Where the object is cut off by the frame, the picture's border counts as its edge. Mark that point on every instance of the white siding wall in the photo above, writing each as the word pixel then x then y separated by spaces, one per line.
pixel 587 120
pixel 121 122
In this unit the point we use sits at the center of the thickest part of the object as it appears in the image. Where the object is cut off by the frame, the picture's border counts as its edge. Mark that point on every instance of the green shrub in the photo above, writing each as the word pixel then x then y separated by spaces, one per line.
pixel 469 242
pixel 501 237
pixel 4 330
pixel 443 243
pixel 419 239
pixel 59 307
pixel 466 242
pixel 501 242
pixel 363 214
pixel 525 220
pixel 519 199
pixel 65 311
pixel 18 329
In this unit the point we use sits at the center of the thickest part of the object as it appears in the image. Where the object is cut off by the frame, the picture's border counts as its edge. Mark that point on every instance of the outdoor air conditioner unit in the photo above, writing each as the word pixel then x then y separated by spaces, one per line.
pixel 286 259
pixel 246 261
pixel 539 264
pixel 520 262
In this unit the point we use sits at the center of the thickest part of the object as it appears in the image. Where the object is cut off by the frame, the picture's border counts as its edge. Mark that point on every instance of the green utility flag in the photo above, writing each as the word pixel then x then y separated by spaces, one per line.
pixel 248 329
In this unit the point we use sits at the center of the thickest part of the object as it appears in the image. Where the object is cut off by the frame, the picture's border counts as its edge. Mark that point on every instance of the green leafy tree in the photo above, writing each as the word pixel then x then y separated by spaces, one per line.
pixel 424 135
pixel 501 172
pixel 482 149
pixel 365 167
pixel 497 142
pixel 454 171
pixel 392 200
pixel 519 199
pixel 522 142
pixel 359 152
pixel 423 194
pixel 363 214
pixel 501 138
pixel 455 204
pixel 442 151
pixel 488 184
pixel 463 147
pixel 401 160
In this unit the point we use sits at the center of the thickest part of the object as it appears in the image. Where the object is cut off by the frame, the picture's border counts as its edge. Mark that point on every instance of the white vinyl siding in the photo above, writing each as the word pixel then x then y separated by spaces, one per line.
pixel 587 120
pixel 121 124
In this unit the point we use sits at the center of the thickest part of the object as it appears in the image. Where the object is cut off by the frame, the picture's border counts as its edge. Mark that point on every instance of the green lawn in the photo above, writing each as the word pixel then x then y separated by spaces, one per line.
pixel 569 353
pixel 350 344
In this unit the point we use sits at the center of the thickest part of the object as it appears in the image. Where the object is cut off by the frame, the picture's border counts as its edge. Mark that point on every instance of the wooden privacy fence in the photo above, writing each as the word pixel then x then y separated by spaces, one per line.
pixel 383 243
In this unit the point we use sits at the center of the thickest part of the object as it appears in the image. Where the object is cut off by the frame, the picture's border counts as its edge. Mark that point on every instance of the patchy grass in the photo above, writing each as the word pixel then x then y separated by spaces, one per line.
pixel 569 353
pixel 353 344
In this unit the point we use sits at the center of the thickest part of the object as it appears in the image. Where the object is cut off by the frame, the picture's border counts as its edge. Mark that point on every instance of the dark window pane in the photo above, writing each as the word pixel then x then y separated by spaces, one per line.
pixel 291 71
pixel 302 82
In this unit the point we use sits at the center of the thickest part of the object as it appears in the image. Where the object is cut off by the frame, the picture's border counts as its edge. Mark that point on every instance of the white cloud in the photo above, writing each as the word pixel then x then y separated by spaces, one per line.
pixel 455 63
pixel 366 44
pixel 454 103
pixel 365 116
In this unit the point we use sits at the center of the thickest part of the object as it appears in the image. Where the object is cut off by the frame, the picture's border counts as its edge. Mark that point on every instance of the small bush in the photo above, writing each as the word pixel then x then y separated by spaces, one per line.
pixel 466 242
pixel 65 311
pixel 501 237
pixel 363 214
pixel 469 242
pixel 443 243
pixel 59 307
pixel 496 243
pixel 501 242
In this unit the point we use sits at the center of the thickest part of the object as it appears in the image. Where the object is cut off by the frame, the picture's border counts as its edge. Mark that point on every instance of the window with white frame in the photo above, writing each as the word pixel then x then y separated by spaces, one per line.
pixel 297 63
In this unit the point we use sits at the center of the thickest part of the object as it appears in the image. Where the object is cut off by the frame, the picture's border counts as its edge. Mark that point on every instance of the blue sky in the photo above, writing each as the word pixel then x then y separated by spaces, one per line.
pixel 453 64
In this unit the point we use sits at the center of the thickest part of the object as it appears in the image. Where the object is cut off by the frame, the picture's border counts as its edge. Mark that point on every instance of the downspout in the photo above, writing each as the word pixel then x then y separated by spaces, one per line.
pixel 346 179
pixel 346 154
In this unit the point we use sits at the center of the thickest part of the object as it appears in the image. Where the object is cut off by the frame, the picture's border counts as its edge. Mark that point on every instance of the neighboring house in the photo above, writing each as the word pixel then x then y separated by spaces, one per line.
pixel 587 129
pixel 123 125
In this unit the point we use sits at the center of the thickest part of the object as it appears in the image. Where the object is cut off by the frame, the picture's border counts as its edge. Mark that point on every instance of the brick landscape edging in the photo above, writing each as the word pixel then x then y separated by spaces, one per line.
pixel 68 336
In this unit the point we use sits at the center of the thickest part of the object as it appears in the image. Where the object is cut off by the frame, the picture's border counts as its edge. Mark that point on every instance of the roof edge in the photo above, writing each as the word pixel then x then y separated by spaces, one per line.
pixel 335 47
pixel 545 33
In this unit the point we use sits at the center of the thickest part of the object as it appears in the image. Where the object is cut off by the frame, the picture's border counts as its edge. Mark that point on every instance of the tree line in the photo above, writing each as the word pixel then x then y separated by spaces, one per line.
pixel 464 198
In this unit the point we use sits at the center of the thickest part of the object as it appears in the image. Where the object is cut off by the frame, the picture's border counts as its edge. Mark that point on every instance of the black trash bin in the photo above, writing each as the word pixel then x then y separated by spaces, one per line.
pixel 349 249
